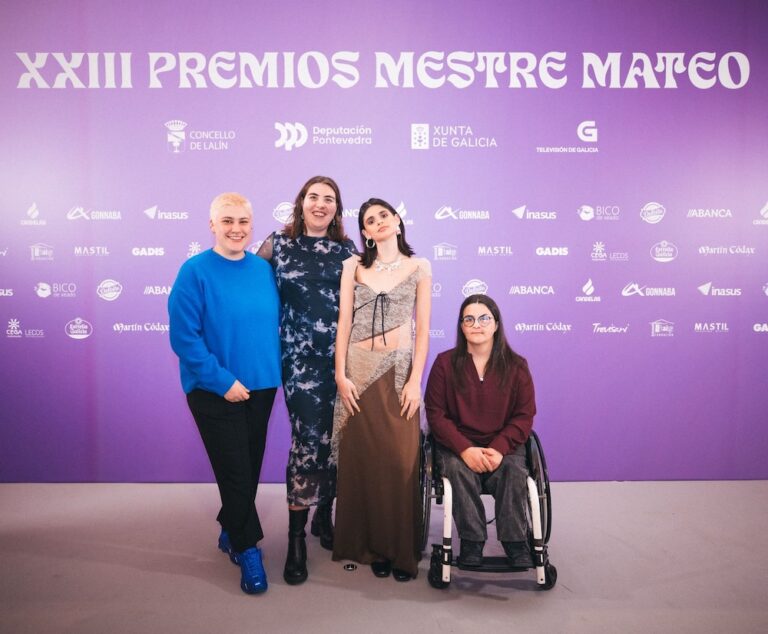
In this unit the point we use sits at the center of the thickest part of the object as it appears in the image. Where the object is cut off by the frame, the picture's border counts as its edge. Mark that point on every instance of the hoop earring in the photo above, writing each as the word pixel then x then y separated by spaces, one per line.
pixel 333 222
pixel 301 216
pixel 372 245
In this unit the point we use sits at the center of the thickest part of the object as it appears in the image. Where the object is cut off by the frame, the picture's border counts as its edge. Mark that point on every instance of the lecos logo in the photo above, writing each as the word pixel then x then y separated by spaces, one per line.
pixel 474 287
pixel 664 251
pixel 424 137
pixel 154 213
pixel 283 212
pixel 178 138
pixel 462 214
pixel 291 135
pixel 109 290
pixel 78 328
pixel 711 291
pixel 652 213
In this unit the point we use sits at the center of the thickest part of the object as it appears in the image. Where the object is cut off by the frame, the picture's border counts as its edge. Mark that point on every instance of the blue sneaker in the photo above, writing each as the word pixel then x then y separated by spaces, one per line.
pixel 253 579
pixel 225 546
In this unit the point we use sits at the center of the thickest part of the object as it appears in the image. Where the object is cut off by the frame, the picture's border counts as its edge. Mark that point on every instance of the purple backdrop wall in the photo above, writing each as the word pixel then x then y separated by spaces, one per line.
pixel 613 200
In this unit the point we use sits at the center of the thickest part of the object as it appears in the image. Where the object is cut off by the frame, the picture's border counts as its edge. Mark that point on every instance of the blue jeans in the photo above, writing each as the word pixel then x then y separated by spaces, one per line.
pixel 508 487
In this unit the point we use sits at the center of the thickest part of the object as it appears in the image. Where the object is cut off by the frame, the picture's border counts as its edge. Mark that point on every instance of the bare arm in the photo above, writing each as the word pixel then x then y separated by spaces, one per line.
pixel 265 250
pixel 410 399
pixel 347 390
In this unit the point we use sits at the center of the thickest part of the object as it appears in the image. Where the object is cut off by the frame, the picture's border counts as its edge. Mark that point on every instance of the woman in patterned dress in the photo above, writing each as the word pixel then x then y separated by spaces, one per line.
pixel 307 256
pixel 379 366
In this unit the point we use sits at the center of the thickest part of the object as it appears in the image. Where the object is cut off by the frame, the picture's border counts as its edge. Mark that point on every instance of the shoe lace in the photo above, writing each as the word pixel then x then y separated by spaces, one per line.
pixel 250 560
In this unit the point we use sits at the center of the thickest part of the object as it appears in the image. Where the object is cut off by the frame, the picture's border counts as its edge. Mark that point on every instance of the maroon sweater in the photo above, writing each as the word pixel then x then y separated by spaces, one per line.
pixel 482 413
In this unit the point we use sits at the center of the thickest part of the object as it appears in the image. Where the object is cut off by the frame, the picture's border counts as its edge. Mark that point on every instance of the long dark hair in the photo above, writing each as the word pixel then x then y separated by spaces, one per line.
pixel 502 360
pixel 369 254
pixel 296 227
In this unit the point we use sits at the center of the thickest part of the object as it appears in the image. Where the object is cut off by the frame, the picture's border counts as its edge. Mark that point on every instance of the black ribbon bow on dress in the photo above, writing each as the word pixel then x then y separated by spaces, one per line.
pixel 381 300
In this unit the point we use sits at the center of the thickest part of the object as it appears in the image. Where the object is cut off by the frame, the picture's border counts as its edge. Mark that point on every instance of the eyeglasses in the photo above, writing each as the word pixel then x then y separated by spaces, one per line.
pixel 483 320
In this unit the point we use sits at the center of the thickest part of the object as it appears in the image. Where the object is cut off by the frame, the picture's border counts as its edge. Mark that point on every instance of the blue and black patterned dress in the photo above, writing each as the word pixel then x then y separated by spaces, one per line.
pixel 308 273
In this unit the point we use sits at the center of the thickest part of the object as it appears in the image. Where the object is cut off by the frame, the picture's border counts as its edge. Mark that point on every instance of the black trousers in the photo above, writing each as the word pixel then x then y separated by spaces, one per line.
pixel 234 435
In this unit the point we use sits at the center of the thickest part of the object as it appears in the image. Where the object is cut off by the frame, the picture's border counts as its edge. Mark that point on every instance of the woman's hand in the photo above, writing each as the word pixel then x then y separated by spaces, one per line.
pixel 410 399
pixel 348 394
pixel 237 393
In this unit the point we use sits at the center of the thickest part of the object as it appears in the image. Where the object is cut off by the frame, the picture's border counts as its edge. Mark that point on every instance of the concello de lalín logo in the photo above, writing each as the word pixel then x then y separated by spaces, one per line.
pixel 178 138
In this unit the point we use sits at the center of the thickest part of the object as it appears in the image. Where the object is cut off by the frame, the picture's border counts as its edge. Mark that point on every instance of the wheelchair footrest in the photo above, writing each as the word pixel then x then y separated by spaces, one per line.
pixel 493 564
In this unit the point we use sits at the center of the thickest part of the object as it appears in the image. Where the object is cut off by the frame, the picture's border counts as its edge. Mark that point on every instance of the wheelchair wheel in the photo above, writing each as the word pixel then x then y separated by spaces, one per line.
pixel 425 482
pixel 538 467
pixel 435 574
pixel 550 577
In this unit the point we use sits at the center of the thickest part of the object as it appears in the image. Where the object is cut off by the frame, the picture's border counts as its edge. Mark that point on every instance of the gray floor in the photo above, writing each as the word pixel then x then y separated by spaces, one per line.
pixel 631 556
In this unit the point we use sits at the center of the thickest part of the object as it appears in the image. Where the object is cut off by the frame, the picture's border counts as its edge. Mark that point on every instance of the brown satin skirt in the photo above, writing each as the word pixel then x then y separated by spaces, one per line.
pixel 378 508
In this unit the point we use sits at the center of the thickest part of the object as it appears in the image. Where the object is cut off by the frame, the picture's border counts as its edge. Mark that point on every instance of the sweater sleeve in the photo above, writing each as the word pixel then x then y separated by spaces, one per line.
pixel 518 425
pixel 441 424
pixel 185 309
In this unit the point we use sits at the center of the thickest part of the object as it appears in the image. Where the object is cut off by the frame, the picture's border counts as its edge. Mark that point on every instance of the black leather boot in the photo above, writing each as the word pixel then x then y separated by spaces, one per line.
pixel 322 524
pixel 295 571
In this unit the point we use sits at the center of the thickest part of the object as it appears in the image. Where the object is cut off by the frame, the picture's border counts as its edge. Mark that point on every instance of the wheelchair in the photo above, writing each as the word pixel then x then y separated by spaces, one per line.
pixel 436 487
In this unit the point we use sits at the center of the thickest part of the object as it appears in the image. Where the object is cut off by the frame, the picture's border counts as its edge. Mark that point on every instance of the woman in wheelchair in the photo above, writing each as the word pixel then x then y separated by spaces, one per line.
pixel 480 406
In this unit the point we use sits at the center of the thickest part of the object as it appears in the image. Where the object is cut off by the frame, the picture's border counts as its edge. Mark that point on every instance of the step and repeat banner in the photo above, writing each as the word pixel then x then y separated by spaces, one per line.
pixel 599 169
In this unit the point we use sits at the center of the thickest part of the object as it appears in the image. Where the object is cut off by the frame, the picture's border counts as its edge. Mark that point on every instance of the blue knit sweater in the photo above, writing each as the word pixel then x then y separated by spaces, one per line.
pixel 224 321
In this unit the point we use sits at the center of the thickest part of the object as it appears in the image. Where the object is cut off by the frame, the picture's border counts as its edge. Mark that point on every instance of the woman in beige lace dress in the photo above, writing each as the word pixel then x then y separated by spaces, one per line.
pixel 379 366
